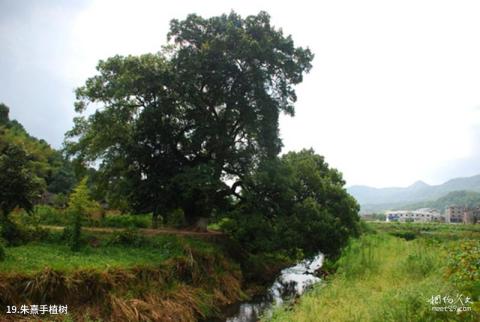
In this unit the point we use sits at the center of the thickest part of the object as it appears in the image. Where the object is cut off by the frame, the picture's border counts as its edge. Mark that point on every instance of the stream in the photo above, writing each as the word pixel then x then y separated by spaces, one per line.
pixel 291 282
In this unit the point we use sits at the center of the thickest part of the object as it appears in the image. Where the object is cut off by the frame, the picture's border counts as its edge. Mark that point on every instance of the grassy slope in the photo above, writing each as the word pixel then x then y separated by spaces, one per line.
pixel 150 279
pixel 101 250
pixel 381 278
pixel 35 257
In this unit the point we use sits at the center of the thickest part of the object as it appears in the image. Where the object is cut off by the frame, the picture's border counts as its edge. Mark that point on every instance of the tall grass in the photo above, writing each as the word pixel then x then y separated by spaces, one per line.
pixel 48 215
pixel 380 278
pixel 125 283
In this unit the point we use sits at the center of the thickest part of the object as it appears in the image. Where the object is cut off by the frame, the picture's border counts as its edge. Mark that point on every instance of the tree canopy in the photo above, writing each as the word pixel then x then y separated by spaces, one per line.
pixel 173 127
pixel 20 187
pixel 47 164
pixel 295 203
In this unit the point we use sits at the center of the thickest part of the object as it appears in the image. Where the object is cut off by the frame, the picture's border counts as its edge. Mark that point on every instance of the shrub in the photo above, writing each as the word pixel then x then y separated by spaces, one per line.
pixel 176 219
pixel 126 221
pixel 464 266
pixel 49 215
pixel 407 235
pixel 2 251
pixel 128 237
pixel 10 231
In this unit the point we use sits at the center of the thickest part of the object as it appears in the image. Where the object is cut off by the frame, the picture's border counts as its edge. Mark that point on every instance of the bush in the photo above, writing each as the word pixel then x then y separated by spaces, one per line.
pixel 72 232
pixel 128 237
pixel 176 219
pixel 48 215
pixel 2 251
pixel 10 231
pixel 407 235
pixel 127 221
pixel 464 266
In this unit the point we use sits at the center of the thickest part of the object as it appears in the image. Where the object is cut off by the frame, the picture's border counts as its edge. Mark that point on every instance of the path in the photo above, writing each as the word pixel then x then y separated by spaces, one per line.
pixel 148 231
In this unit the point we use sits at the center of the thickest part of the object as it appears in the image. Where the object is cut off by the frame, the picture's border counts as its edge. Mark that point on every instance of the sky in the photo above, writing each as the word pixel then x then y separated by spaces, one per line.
pixel 393 96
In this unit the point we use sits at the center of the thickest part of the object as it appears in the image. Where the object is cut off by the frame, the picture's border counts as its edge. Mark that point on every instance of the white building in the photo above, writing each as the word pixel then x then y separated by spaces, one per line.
pixel 419 215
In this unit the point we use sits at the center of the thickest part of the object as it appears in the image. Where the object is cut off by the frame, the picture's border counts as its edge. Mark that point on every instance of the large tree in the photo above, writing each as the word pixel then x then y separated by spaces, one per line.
pixel 173 127
pixel 295 203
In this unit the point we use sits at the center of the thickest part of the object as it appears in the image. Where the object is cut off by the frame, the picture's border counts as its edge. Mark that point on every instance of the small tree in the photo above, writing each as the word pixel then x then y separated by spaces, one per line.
pixel 79 206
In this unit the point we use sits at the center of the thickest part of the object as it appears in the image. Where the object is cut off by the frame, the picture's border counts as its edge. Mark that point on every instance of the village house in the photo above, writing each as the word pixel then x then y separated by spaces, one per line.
pixel 453 214
pixel 420 215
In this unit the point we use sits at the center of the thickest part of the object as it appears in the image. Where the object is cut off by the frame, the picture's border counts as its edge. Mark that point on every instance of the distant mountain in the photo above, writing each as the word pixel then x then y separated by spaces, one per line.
pixel 459 198
pixel 377 199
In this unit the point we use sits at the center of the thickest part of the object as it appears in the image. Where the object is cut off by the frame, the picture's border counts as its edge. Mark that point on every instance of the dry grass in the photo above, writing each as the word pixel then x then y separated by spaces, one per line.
pixel 181 289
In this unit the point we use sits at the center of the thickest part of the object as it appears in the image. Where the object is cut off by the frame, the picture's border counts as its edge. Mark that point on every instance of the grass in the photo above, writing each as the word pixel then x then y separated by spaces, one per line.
pixel 31 258
pixel 385 278
pixel 48 215
pixel 122 249
pixel 123 276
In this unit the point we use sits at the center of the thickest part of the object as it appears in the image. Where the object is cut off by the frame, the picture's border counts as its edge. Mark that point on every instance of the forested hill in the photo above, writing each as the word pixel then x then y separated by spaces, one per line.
pixel 52 171
pixel 375 199
pixel 459 198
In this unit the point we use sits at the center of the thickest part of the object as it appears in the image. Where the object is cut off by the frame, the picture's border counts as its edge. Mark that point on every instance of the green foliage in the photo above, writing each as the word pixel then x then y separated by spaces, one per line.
pixel 464 266
pixel 48 215
pixel 421 260
pixel 4 111
pixel 26 259
pixel 128 237
pixel 80 200
pixel 360 257
pixel 60 200
pixel 2 251
pixel 407 235
pixel 126 221
pixel 20 187
pixel 374 217
pixel 461 197
pixel 296 203
pixel 176 219
pixel 48 167
pixel 21 231
pixel 73 232
pixel 79 206
pixel 183 121
pixel 10 231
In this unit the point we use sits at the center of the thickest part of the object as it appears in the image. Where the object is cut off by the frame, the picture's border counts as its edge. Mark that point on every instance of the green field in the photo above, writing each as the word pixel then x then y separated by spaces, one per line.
pixel 31 258
pixel 382 277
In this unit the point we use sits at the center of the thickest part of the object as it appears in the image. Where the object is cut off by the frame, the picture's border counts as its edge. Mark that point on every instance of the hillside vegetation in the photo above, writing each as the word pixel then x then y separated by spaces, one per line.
pixel 377 199
pixel 459 198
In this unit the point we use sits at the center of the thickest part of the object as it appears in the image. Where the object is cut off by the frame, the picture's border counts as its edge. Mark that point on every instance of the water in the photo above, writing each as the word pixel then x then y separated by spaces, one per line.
pixel 290 283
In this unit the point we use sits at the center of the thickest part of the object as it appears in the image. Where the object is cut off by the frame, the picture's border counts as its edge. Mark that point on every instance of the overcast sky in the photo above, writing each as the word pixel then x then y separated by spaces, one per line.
pixel 393 96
